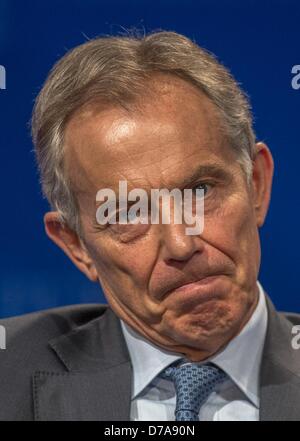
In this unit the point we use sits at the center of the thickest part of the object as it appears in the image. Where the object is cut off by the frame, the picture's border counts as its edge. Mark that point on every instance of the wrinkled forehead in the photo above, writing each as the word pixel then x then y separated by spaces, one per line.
pixel 167 135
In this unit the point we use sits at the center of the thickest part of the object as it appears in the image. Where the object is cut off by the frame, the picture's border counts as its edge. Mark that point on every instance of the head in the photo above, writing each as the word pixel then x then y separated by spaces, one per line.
pixel 158 112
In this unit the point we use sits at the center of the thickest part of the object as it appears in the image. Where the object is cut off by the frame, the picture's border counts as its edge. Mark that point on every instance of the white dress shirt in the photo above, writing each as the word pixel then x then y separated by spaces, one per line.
pixel 237 398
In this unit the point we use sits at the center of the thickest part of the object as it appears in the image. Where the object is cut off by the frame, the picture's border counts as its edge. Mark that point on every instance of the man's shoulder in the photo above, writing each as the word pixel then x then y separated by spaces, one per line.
pixel 66 317
pixel 27 336
pixel 279 347
pixel 28 350
pixel 50 323
pixel 292 317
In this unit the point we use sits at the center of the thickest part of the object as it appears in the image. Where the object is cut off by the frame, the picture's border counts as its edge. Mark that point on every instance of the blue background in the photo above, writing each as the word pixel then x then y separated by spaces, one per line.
pixel 257 40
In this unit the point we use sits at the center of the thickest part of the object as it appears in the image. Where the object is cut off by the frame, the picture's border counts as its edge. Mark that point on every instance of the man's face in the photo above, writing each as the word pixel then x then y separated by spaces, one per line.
pixel 175 142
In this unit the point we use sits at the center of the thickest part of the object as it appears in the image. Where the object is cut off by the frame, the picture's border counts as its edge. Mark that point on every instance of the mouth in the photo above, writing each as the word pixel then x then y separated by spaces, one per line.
pixel 207 288
pixel 193 285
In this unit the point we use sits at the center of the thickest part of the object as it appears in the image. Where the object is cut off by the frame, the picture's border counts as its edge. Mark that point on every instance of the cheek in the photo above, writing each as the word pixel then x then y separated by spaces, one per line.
pixel 233 233
pixel 122 267
pixel 232 229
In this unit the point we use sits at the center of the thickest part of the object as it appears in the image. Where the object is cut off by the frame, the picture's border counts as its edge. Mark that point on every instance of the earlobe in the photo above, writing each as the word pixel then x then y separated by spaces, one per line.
pixel 263 168
pixel 92 272
pixel 69 241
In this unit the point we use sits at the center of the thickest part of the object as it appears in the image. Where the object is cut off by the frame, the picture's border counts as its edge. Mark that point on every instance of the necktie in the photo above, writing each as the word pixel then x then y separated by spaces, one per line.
pixel 193 384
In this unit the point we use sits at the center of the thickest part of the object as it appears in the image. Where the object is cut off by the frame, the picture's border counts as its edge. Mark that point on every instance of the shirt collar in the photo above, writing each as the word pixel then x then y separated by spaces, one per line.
pixel 240 359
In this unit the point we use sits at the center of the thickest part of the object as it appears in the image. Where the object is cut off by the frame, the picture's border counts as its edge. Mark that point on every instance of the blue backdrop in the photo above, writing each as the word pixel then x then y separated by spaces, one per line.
pixel 257 40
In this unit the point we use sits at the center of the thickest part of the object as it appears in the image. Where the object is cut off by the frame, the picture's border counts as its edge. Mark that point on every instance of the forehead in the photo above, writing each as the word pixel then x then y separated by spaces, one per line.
pixel 174 128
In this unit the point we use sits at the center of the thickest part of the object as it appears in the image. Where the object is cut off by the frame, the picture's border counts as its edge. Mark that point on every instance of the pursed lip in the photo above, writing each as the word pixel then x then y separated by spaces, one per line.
pixel 193 295
pixel 193 284
pixel 201 282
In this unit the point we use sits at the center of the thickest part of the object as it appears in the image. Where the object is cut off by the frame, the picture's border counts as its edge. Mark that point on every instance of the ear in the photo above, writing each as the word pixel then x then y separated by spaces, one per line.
pixel 263 168
pixel 70 243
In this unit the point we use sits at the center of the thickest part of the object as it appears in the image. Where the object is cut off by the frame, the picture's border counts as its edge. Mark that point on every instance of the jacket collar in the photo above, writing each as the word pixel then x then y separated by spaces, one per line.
pixel 97 384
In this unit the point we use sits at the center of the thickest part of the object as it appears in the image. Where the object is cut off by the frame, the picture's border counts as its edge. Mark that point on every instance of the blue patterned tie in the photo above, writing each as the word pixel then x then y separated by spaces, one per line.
pixel 193 384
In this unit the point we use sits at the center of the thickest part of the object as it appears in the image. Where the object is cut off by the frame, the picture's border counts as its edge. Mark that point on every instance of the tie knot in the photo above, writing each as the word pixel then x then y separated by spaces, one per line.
pixel 193 384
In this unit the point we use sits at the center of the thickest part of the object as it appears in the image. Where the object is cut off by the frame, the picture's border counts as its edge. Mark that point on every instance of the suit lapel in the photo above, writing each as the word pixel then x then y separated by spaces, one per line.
pixel 280 371
pixel 97 383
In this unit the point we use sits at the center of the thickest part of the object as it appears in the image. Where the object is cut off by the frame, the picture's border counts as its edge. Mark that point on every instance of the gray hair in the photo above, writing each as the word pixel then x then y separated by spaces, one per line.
pixel 112 70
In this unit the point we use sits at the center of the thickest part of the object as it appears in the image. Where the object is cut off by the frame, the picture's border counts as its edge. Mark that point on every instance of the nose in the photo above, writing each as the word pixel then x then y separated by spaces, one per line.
pixel 177 245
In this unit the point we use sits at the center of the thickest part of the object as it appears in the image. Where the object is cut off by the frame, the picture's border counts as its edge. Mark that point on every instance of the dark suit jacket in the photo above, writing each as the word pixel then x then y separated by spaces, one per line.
pixel 72 363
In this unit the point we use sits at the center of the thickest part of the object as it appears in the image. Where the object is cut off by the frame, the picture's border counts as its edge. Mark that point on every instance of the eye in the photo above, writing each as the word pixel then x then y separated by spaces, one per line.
pixel 131 217
pixel 206 187
pixel 134 217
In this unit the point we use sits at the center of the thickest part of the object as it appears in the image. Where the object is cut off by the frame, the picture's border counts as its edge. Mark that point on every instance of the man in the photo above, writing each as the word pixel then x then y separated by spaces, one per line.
pixel 188 332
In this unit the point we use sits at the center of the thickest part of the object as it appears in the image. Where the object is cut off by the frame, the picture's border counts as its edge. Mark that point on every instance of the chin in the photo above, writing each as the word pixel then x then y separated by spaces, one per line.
pixel 203 328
